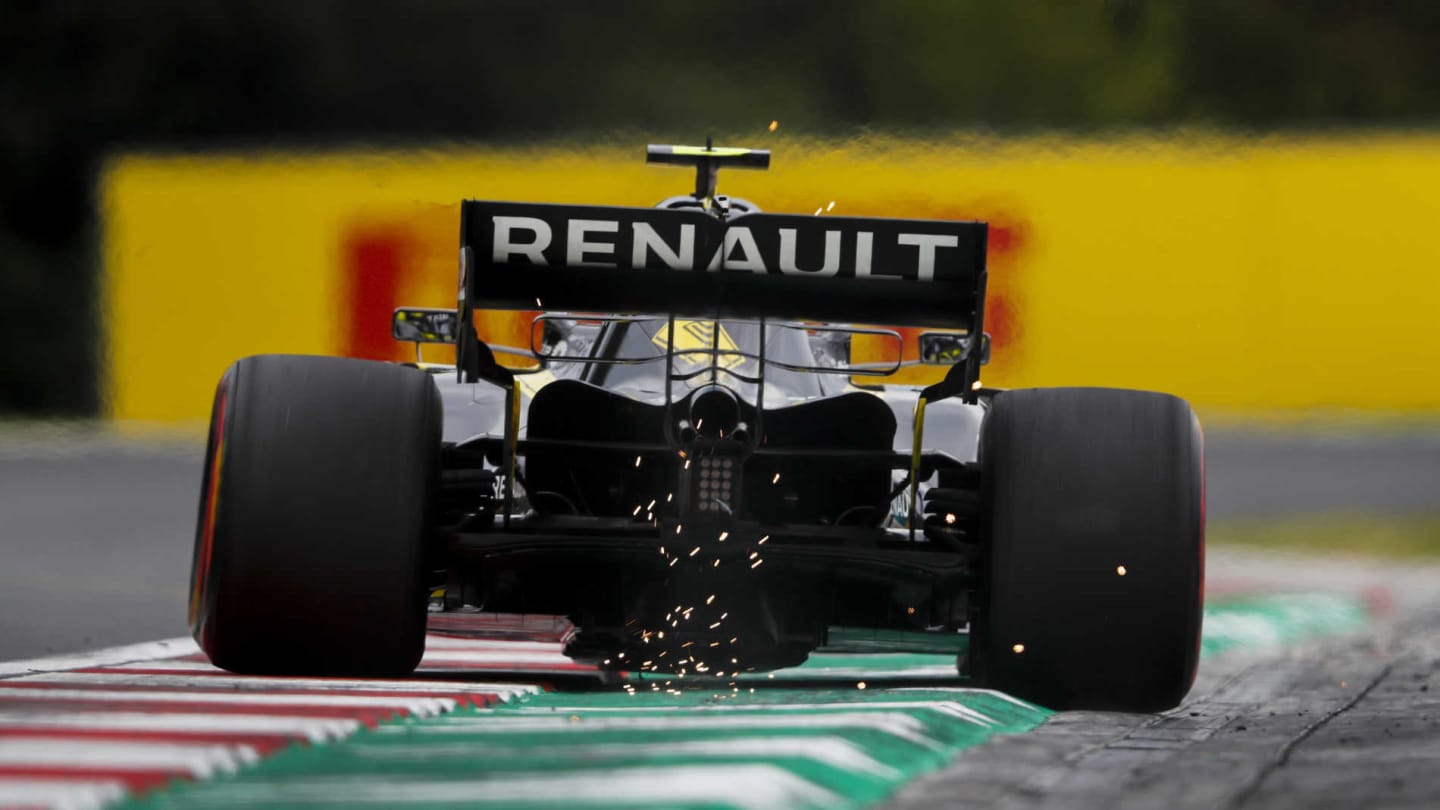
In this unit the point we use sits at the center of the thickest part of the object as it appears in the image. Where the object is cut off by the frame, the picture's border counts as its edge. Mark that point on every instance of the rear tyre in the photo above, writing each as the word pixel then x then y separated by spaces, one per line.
pixel 1093 515
pixel 310 550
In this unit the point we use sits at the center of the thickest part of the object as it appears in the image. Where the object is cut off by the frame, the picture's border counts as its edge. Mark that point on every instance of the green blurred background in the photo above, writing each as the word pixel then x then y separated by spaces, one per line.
pixel 83 80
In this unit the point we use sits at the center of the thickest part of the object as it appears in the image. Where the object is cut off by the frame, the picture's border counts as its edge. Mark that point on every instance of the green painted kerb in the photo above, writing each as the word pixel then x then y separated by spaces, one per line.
pixel 1270 620
pixel 764 744
pixel 701 748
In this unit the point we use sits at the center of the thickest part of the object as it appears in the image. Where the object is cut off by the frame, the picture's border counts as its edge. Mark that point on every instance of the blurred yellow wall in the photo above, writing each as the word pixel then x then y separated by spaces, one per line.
pixel 1269 275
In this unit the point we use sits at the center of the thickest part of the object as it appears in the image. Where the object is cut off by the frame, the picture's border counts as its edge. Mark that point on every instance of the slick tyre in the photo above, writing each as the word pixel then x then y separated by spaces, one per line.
pixel 1093 516
pixel 310 549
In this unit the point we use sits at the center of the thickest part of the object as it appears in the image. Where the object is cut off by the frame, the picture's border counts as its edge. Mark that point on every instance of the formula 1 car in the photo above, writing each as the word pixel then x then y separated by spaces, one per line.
pixel 690 465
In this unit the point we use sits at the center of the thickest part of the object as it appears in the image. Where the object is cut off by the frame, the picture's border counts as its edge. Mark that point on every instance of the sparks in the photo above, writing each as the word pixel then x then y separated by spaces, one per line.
pixel 637 461
pixel 774 125
pixel 776 479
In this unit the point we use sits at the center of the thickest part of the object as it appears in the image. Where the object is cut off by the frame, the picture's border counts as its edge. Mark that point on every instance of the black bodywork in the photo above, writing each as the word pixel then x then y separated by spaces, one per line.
pixel 708 527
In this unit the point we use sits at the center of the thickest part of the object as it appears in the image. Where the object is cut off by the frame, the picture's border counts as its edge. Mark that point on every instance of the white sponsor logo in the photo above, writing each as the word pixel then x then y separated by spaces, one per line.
pixel 606 242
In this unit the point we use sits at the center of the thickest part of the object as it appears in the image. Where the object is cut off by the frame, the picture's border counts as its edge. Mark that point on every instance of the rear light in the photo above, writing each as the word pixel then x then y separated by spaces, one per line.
pixel 715 487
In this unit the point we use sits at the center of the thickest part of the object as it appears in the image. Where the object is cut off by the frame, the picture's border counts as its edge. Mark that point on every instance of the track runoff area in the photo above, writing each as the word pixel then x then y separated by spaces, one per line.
pixel 497 716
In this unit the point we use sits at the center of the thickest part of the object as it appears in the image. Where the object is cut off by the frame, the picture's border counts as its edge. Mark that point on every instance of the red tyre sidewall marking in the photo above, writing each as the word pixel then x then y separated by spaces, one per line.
pixel 199 613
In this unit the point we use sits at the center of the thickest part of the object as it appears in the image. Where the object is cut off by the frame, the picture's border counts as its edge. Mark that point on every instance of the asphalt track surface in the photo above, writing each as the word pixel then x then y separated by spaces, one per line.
pixel 95 537
pixel 1344 722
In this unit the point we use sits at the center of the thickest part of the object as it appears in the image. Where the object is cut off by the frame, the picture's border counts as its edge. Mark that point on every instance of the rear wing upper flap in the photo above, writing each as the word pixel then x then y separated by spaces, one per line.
pixel 688 262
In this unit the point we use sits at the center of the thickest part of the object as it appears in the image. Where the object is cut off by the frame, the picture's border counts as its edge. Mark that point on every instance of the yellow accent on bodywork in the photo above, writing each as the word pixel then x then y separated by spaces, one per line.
pixel 694 336
pixel 718 151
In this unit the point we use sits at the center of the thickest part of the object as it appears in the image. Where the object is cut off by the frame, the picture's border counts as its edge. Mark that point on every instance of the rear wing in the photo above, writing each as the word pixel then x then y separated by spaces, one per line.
pixel 694 264
pixel 688 262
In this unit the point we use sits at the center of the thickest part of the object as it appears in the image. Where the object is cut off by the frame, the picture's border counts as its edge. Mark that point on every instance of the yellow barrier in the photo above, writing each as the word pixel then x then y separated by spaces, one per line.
pixel 1274 274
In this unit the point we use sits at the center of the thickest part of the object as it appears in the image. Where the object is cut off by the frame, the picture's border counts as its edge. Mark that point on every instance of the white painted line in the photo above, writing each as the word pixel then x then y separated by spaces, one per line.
pixel 963 712
pixel 968 690
pixel 147 651
pixel 63 794
pixel 862 673
pixel 260 684
pixel 749 787
pixel 837 753
pixel 947 707
pixel 451 643
pixel 896 724
pixel 79 755
pixel 311 728
pixel 420 707
pixel 493 657
pixel 177 665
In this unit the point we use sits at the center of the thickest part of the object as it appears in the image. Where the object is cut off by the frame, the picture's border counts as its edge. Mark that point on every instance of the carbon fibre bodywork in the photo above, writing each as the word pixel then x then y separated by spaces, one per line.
pixel 610 533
